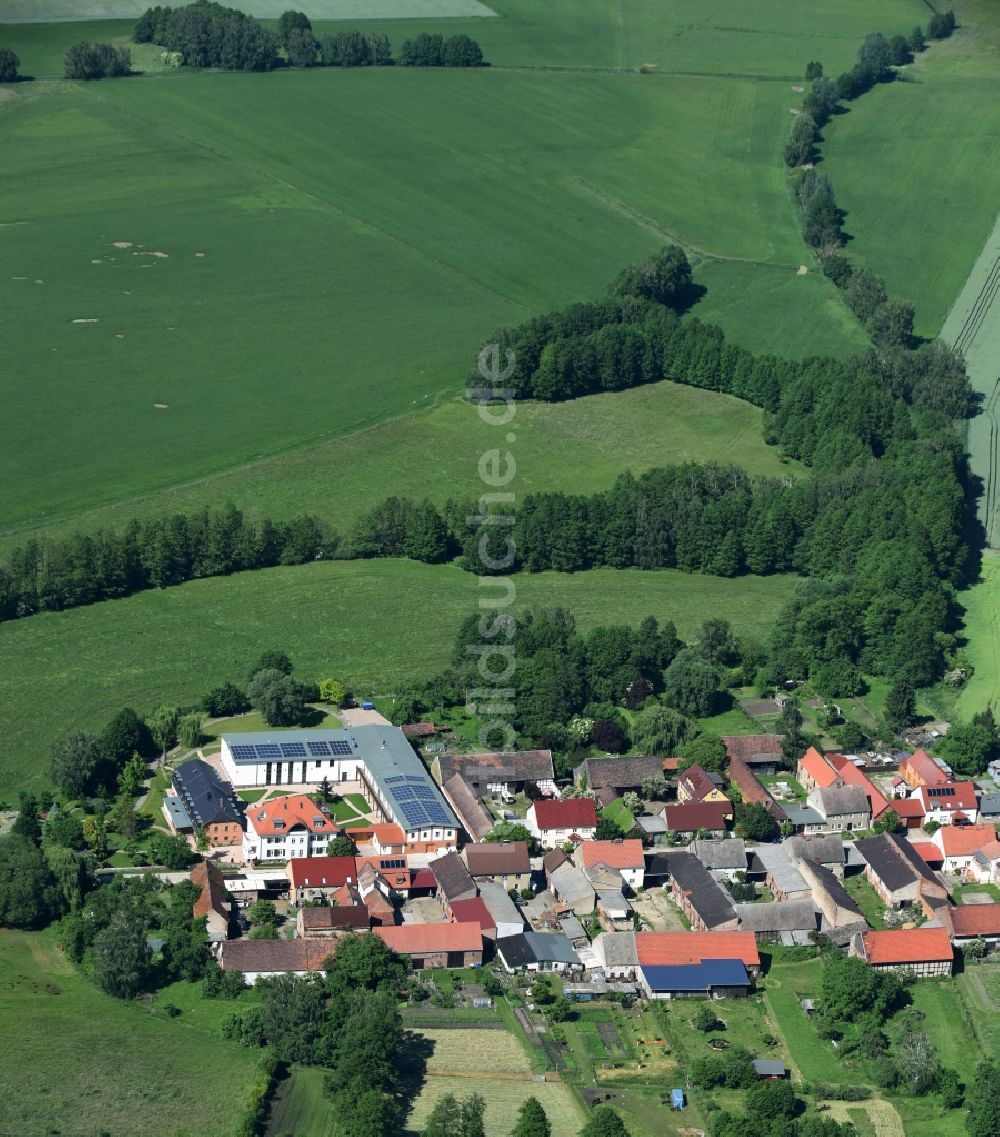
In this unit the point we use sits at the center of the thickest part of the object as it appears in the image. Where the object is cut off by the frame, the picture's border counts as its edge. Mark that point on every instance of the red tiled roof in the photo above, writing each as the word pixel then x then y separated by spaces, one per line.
pixel 670 765
pixel 752 789
pixel 655 949
pixel 419 729
pixel 212 895
pixel 750 747
pixel 929 851
pixel 473 911
pixel 697 782
pixel 321 872
pixel 615 854
pixel 422 939
pixel 907 807
pixel 276 955
pixel 949 795
pixel 341 916
pixel 422 878
pixel 924 768
pixel 963 840
pixel 819 768
pixel 690 816
pixel 908 945
pixel 296 809
pixel 386 833
pixel 567 813
pixel 976 919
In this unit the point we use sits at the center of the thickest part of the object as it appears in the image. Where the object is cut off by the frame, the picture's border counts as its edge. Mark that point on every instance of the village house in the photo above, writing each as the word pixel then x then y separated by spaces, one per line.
pixel 614 912
pixel 985 866
pixel 752 789
pixel 391 776
pixel 660 949
pixel 923 952
pixel 619 774
pixel 537 951
pixel 789 922
pixel 553 823
pixel 762 753
pixel 475 819
pixel 213 901
pixel 207 803
pixel 920 769
pixel 840 912
pixel 695 784
pixel 571 888
pixel 699 895
pixel 287 827
pixel 507 862
pixel 780 874
pixel 501 774
pixel 453 880
pixel 842 807
pixel 825 849
pixel 723 859
pixel 329 922
pixel 318 878
pixel 263 959
pixel 436 945
pixel 815 771
pixel 805 820
pixel 697 818
pixel 706 979
pixel 949 803
pixel 390 875
pixel 960 843
pixel 505 914
pixel 968 922
pixel 896 871
pixel 625 856
pixel 474 911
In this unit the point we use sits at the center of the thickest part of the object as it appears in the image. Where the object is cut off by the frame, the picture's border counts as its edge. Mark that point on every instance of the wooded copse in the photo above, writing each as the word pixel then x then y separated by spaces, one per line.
pixel 209 35
pixel 89 61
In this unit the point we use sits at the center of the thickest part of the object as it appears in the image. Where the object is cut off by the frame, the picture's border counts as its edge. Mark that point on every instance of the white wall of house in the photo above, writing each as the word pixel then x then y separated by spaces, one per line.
pixel 297 842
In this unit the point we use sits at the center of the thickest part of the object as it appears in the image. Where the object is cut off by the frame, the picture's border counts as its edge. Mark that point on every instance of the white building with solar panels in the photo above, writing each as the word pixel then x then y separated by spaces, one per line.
pixel 394 781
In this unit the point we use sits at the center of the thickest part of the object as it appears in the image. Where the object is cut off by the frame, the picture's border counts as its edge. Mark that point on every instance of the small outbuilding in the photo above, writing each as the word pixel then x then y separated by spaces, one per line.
pixel 676 1099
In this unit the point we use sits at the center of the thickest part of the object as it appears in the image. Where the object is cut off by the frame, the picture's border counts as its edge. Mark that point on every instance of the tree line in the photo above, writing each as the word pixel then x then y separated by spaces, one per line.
pixel 207 34
pixel 9 63
pixel 889 320
pixel 52 575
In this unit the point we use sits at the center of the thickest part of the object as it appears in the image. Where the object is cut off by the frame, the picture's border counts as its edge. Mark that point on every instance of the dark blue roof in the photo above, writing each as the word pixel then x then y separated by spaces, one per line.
pixel 697 976
pixel 207 798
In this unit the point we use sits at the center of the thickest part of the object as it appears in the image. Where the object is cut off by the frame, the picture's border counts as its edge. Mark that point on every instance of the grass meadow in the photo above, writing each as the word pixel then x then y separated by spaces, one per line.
pixel 378 624
pixel 579 447
pixel 982 630
pixel 85 1063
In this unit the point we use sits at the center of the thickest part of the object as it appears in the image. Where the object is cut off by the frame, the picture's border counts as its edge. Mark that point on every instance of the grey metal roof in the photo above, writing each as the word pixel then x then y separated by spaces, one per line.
pixel 826 848
pixel 783 916
pixel 570 884
pixel 207 797
pixel 549 947
pixel 785 875
pixel 175 807
pixel 499 904
pixel 617 949
pixel 803 815
pixel 769 1068
pixel 651 824
pixel 715 854
pixel 702 890
pixel 399 775
pixel 837 801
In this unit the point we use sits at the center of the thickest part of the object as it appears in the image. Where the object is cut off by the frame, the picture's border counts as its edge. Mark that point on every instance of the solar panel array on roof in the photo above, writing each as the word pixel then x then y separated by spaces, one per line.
pixel 293 750
pixel 318 749
pixel 245 752
pixel 342 749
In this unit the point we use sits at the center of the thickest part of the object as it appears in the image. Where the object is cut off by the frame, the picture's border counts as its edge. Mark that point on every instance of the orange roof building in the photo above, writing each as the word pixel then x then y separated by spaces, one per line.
pixel 626 854
pixel 960 843
pixel 659 949
pixel 920 769
pixel 921 951
pixel 436 945
pixel 815 771
pixel 287 827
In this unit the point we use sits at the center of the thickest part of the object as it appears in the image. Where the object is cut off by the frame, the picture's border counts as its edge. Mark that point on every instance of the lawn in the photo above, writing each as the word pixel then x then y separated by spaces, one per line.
pixel 300 1106
pixel 363 620
pixel 580 447
pixel 617 812
pixel 867 899
pixel 982 631
pixel 787 983
pixel 86 1063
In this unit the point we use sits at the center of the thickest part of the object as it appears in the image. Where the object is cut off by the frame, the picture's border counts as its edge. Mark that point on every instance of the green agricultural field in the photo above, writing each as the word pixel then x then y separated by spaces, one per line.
pixel 578 447
pixel 982 630
pixel 72 11
pixel 907 145
pixel 367 621
pixel 86 1063
pixel 300 1106
pixel 332 253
